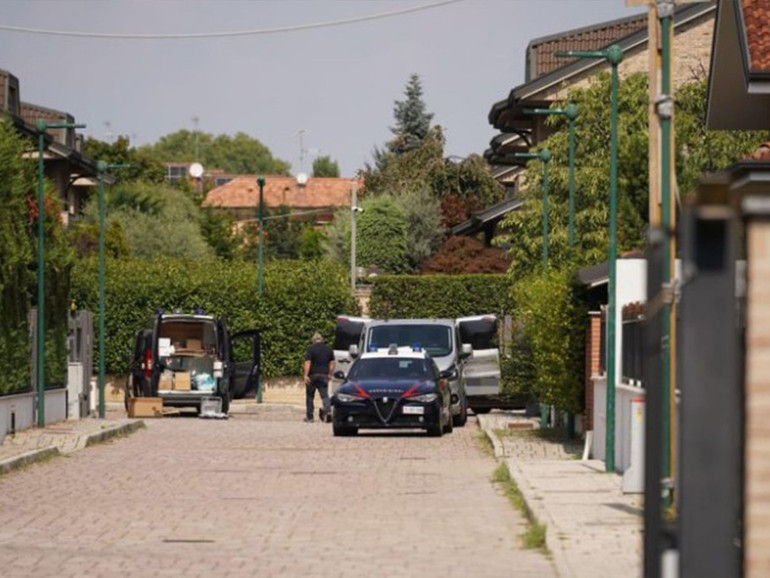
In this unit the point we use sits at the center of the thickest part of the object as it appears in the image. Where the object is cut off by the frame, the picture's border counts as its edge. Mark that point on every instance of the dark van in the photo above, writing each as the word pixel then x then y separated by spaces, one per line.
pixel 186 358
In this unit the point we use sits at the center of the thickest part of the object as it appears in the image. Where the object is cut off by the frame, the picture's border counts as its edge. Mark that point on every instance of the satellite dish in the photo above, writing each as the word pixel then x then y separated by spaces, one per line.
pixel 302 178
pixel 196 170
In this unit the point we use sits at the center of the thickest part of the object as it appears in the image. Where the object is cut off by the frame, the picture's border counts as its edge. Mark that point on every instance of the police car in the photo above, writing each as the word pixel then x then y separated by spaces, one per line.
pixel 393 388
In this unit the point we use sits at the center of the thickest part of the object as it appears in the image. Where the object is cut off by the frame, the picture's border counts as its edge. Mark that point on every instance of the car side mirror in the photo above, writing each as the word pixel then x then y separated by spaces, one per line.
pixel 339 374
pixel 353 351
pixel 466 351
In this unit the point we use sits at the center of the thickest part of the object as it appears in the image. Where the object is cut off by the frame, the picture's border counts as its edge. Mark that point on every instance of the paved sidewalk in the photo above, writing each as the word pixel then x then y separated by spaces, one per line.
pixel 64 437
pixel 593 529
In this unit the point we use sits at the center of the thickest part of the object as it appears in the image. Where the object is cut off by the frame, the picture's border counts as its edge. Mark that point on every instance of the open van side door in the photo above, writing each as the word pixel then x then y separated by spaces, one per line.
pixel 348 332
pixel 245 362
pixel 482 368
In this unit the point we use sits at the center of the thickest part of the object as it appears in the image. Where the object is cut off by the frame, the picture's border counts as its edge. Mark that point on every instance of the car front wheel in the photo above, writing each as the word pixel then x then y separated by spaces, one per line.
pixel 461 418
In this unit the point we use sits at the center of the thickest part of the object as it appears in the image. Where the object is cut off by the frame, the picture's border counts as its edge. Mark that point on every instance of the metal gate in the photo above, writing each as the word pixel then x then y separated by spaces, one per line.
pixel 80 344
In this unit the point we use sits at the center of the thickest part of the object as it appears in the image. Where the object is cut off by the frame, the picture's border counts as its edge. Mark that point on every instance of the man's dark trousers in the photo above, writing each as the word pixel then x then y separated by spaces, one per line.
pixel 317 382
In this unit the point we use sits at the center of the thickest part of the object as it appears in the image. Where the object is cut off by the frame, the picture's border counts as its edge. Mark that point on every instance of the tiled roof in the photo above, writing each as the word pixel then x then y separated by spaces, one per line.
pixel 756 14
pixel 243 192
pixel 541 50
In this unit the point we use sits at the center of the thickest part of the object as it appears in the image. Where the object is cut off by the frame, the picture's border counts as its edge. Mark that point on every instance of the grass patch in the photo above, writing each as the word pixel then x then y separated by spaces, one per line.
pixel 484 443
pixel 533 538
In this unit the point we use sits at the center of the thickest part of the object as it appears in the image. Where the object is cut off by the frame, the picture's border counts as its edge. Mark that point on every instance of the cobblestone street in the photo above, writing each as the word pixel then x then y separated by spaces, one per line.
pixel 263 494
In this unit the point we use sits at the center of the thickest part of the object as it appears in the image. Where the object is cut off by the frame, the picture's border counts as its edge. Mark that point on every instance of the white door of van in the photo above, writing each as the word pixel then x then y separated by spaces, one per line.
pixel 482 368
pixel 348 332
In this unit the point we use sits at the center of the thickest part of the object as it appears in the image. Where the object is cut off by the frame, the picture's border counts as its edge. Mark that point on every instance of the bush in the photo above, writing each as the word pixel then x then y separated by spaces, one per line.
pixel 300 298
pixel 446 296
pixel 382 241
pixel 553 325
pixel 463 254
pixel 18 268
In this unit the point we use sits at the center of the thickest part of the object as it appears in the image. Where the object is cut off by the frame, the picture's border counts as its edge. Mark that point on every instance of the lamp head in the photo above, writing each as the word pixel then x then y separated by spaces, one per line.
pixel 545 155
pixel 261 181
pixel 571 111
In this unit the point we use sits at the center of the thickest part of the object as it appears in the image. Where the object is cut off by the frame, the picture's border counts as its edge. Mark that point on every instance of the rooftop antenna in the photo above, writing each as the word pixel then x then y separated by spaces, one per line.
pixel 108 127
pixel 302 150
pixel 195 120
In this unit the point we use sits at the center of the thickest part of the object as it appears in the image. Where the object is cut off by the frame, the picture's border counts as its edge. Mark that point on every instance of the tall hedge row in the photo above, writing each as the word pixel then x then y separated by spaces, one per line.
pixel 449 296
pixel 300 298
pixel 18 268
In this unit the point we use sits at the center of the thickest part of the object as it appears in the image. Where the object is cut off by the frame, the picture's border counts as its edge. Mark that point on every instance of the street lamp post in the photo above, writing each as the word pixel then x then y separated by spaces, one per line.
pixel 102 167
pixel 545 156
pixel 570 112
pixel 42 126
pixel 613 55
pixel 260 235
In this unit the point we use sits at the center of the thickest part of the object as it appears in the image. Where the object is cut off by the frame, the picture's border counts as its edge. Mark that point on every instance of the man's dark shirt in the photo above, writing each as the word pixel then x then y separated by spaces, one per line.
pixel 319 355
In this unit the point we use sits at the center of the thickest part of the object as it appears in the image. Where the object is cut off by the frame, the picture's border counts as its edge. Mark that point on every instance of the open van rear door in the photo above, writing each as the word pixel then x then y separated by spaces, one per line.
pixel 245 362
pixel 482 368
pixel 348 332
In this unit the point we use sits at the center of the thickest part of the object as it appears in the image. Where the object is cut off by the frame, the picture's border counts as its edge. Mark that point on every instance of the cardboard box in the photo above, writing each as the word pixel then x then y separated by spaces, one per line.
pixel 165 381
pixel 193 344
pixel 182 381
pixel 145 407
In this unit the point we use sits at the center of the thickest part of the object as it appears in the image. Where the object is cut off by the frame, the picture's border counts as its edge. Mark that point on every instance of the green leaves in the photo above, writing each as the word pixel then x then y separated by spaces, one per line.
pixel 300 298
pixel 434 296
pixel 550 342
pixel 698 151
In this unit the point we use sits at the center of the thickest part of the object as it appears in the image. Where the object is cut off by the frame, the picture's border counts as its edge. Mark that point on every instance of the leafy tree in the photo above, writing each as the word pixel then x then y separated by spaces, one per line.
pixel 144 166
pixel 412 119
pixel 698 150
pixel 218 229
pixel 238 154
pixel 325 167
pixel 157 220
pixel 17 180
pixel 336 241
pixel 84 236
pixel 310 242
pixel 467 255
pixel 422 212
pixel 383 239
pixel 553 332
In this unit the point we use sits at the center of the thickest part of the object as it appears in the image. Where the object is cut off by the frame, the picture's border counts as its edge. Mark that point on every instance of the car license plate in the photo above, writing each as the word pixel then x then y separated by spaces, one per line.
pixel 414 410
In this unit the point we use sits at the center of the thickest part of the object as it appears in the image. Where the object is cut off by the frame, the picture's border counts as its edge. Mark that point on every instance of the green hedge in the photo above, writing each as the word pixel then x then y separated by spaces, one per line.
pixel 551 343
pixel 300 298
pixel 433 296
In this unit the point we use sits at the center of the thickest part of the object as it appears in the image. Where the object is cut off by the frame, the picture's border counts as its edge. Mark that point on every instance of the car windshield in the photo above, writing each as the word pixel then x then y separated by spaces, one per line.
pixel 390 368
pixel 435 339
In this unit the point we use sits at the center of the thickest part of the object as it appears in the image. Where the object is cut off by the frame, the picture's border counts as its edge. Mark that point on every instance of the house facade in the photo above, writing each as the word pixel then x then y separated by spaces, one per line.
pixel 316 197
pixel 73 174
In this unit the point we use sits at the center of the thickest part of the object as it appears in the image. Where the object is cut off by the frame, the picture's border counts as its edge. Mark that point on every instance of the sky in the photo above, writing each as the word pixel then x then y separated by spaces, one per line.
pixel 327 91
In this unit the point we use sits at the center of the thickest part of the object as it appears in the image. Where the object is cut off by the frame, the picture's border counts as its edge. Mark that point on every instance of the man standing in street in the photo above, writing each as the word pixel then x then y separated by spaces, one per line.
pixel 317 370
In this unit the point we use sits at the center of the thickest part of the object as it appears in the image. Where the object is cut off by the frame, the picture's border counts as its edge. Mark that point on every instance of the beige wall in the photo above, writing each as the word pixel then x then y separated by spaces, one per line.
pixel 692 55
pixel 757 450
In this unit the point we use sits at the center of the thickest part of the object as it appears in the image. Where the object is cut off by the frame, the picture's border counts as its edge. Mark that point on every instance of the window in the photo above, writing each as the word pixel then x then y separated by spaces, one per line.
pixel 391 368
pixel 435 339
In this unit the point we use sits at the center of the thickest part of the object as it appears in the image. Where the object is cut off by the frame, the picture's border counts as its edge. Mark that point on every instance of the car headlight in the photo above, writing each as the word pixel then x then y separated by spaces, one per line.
pixel 424 398
pixel 347 398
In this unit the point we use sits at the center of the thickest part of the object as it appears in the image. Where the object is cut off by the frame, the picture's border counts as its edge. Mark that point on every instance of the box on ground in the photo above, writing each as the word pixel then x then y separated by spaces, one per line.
pixel 145 407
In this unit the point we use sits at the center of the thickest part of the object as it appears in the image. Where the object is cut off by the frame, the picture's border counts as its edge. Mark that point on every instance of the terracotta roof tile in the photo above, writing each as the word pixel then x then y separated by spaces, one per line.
pixel 590 38
pixel 243 192
pixel 756 15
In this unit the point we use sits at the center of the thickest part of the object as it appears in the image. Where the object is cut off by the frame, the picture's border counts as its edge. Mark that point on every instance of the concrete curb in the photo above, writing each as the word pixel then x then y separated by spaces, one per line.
pixel 109 433
pixel 535 509
pixel 27 458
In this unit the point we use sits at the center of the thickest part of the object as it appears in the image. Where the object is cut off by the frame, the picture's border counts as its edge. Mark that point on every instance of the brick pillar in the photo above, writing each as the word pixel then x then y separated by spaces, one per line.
pixel 593 353
pixel 757 402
